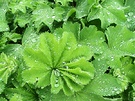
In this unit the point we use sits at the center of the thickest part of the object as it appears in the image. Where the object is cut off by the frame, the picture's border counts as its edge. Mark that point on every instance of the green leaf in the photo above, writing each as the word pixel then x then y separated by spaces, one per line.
pixel 93 38
pixel 72 27
pixel 83 7
pixel 43 13
pixel 105 85
pixel 100 66
pixel 130 14
pixel 2 99
pixel 30 37
pixel 20 94
pixel 16 97
pixel 14 50
pixel 58 13
pixel 20 5
pixel 56 82
pixel 46 95
pixel 3 23
pixel 22 19
pixel 108 12
pixel 12 36
pixel 8 66
pixel 50 63
pixel 2 86
pixel 122 40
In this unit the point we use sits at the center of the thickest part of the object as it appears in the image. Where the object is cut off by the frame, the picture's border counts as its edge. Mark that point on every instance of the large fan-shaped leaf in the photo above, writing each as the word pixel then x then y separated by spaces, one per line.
pixel 58 62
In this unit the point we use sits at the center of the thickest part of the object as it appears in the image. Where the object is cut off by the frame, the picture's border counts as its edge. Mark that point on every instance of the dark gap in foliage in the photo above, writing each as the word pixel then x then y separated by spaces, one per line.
pixel 72 18
pixel 51 1
pixel 92 58
pixel 95 22
pixel 113 24
pixel 127 95
pixel 108 70
pixel 57 24
pixel 106 40
pixel 10 17
pixel 19 30
pixel 43 28
pixel 100 1
pixel 113 97
pixel 72 3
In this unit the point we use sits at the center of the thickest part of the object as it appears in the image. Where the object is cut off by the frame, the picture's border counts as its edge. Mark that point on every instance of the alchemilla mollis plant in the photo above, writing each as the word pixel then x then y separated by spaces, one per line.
pixel 67 50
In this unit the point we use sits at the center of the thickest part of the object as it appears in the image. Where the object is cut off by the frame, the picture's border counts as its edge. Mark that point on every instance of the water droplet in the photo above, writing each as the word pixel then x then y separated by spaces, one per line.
pixel 63 62
pixel 56 80
pixel 56 85
pixel 66 67
pixel 128 20
pixel 79 45
pixel 69 47
pixel 108 13
pixel 112 58
pixel 53 16
pixel 36 61
pixel 56 72
pixel 126 15
pixel 33 40
pixel 130 13
pixel 118 8
pixel 98 59
pixel 42 87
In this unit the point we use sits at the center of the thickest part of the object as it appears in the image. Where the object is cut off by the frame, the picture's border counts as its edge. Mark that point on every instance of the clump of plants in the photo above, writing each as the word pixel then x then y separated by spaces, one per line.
pixel 67 50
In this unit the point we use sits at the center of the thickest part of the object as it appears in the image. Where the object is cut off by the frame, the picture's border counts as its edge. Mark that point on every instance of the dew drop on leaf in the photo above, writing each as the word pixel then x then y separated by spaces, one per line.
pixel 53 17
pixel 56 85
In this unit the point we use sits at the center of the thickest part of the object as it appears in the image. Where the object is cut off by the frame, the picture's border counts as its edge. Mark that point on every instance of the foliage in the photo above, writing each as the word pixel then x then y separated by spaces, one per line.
pixel 71 50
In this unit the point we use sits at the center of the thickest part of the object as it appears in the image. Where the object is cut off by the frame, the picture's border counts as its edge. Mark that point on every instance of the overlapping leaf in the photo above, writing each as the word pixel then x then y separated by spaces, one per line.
pixel 3 23
pixel 20 94
pixel 58 62
pixel 46 95
pixel 20 5
pixel 44 13
pixel 122 40
pixel 108 12
pixel 105 85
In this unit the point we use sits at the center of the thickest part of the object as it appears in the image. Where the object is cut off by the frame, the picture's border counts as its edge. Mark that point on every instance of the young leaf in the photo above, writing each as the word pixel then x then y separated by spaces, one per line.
pixel 20 94
pixel 8 66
